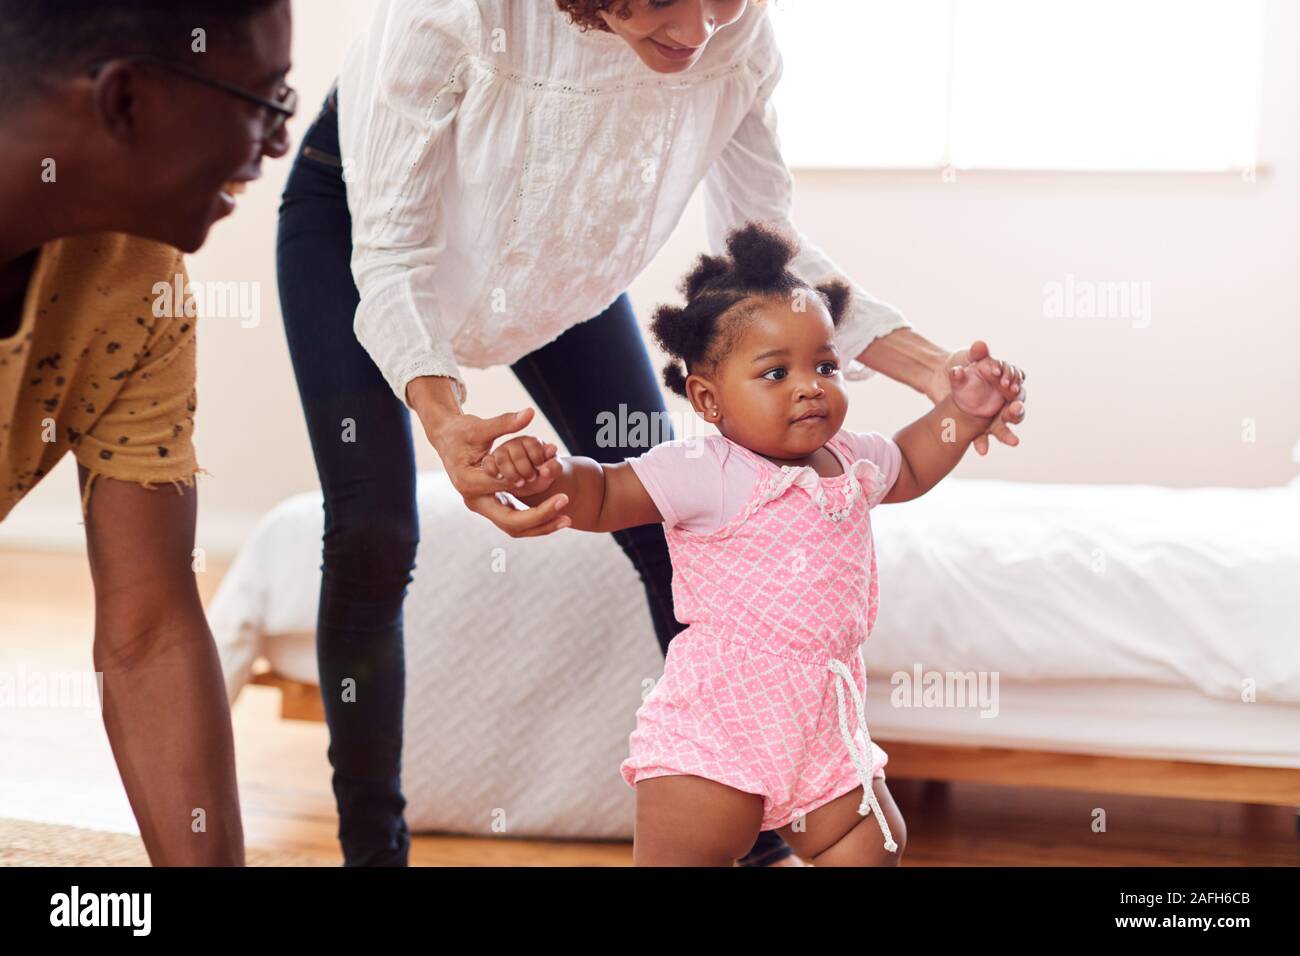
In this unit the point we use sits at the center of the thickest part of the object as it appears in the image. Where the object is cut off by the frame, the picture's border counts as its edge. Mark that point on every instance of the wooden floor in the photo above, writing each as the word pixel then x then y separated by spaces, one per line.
pixel 56 766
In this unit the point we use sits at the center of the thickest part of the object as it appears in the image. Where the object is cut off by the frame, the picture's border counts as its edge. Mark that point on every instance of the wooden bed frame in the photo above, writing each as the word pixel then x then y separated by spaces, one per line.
pixel 1276 786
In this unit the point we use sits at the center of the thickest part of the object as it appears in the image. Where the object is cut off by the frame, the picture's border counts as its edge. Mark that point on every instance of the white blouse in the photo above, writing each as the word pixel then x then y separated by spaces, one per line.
pixel 508 176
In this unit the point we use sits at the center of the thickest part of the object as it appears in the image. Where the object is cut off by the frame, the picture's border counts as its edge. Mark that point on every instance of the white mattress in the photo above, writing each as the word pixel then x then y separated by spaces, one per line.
pixel 1120 620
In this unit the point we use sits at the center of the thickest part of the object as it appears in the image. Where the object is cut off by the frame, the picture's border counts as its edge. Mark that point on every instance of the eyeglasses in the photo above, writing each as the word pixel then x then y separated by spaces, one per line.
pixel 278 110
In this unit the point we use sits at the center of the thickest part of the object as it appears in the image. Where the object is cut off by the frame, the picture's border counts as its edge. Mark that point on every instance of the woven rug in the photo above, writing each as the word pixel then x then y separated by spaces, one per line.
pixel 23 843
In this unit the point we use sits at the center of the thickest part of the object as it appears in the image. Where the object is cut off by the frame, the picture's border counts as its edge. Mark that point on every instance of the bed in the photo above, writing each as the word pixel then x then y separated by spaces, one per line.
pixel 1128 639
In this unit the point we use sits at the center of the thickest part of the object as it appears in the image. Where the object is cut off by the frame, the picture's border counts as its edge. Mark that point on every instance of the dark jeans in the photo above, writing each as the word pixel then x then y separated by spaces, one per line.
pixel 371 523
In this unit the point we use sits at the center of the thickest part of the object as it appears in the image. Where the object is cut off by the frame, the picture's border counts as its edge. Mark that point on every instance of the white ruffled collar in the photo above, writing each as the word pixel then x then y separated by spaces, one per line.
pixel 863 475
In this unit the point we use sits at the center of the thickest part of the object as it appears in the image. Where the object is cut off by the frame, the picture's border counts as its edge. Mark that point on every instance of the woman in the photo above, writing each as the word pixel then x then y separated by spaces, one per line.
pixel 495 173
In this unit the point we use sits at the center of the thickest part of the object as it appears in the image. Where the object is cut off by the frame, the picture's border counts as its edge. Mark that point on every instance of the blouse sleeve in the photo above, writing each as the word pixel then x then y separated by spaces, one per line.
pixel 749 181
pixel 396 128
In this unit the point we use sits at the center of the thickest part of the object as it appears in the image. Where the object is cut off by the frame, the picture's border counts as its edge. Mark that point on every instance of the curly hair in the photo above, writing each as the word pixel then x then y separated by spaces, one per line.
pixel 700 334
pixel 585 14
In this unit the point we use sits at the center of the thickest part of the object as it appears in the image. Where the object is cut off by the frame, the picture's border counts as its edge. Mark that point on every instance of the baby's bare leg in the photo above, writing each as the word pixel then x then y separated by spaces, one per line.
pixel 835 835
pixel 690 821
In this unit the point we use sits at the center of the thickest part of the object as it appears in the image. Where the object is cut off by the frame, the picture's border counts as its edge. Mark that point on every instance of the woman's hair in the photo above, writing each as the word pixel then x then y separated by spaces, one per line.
pixel 700 334
pixel 585 14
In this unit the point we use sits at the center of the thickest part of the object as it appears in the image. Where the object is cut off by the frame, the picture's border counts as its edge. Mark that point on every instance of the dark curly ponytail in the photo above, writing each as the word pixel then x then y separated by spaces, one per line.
pixel 756 265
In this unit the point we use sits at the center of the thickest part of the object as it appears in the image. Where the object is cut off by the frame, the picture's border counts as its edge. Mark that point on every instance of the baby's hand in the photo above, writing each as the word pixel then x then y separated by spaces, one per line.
pixel 975 388
pixel 526 463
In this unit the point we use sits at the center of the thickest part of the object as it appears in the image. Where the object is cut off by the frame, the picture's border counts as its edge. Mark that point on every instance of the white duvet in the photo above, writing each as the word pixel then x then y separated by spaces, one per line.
pixel 527 659
pixel 1195 588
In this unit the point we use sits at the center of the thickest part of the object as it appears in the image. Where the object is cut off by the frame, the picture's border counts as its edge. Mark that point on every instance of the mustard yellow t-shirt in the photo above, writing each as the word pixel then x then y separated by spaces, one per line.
pixel 96 370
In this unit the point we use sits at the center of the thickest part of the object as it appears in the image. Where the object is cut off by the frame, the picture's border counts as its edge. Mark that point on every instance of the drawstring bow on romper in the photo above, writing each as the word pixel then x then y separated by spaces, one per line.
pixel 861 762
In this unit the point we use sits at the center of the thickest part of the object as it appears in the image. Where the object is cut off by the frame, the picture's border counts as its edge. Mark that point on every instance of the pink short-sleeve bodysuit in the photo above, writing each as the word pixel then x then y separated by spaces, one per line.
pixel 764 690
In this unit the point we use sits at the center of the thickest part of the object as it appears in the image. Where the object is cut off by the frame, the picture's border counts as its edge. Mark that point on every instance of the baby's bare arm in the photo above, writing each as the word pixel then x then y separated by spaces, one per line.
pixel 931 447
pixel 601 497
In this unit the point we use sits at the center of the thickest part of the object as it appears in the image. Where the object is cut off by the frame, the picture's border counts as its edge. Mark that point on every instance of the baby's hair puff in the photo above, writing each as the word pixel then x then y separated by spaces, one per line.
pixel 701 333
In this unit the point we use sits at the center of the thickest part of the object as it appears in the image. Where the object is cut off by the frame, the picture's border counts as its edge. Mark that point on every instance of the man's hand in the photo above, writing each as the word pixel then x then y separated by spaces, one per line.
pixel 1010 382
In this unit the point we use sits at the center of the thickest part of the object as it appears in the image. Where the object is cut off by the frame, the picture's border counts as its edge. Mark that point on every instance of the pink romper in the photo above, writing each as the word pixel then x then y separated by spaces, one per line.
pixel 756 691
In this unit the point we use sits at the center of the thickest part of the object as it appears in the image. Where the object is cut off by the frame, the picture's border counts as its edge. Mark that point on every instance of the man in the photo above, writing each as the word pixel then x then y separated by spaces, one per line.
pixel 123 126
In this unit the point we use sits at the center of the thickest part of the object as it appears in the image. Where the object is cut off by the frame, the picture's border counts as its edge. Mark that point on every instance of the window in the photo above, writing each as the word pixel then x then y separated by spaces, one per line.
pixel 1020 84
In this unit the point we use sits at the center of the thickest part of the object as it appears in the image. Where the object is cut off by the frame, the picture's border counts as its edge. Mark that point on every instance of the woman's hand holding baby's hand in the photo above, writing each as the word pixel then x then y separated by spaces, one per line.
pixel 529 466
pixel 1010 381
pixel 976 388
pixel 464 443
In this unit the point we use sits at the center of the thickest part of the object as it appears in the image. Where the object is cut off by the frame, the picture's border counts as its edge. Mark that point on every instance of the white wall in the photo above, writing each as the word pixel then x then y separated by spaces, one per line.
pixel 1109 402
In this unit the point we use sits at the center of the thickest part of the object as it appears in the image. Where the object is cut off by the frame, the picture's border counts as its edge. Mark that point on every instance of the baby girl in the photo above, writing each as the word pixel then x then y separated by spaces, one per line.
pixel 758 722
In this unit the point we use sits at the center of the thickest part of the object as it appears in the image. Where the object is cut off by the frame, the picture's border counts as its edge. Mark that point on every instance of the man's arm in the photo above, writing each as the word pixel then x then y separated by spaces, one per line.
pixel 164 697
